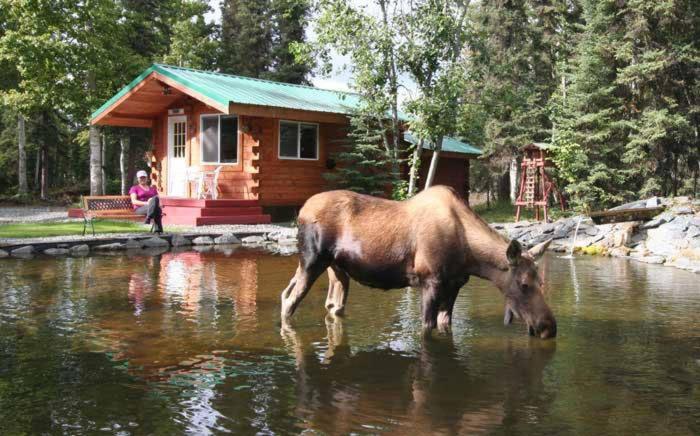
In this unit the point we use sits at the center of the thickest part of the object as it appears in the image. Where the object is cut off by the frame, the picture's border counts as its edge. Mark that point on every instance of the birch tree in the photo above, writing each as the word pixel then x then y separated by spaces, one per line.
pixel 432 53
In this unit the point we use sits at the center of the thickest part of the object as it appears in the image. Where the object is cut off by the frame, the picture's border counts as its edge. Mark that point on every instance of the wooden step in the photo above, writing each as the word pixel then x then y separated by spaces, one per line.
pixel 193 202
pixel 241 219
pixel 196 212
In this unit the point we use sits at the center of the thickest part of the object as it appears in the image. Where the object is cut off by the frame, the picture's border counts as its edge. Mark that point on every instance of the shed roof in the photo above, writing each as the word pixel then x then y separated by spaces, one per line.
pixel 448 144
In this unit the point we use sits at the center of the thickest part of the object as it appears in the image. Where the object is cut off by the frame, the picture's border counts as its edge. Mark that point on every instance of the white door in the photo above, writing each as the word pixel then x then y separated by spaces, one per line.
pixel 177 167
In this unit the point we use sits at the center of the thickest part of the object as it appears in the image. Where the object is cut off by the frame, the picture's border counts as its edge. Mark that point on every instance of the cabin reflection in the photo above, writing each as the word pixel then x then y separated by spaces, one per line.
pixel 182 306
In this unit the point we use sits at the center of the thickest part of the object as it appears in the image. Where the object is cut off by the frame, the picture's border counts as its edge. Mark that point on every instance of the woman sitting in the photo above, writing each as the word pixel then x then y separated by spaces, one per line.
pixel 144 198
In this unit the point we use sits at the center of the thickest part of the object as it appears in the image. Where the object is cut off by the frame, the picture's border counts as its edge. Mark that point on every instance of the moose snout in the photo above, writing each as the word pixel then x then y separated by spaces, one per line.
pixel 545 329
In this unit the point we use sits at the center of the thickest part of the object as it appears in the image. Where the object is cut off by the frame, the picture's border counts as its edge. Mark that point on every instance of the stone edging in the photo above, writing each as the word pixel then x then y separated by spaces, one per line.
pixel 281 242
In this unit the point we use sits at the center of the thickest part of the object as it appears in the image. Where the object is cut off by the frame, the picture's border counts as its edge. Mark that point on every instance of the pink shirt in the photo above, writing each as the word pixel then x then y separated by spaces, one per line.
pixel 143 194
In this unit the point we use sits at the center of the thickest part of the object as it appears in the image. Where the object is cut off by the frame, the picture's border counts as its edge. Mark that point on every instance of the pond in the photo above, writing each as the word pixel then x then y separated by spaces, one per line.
pixel 190 342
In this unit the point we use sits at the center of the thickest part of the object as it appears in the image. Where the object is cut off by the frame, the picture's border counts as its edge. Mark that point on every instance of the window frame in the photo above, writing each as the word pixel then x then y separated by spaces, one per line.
pixel 298 156
pixel 201 139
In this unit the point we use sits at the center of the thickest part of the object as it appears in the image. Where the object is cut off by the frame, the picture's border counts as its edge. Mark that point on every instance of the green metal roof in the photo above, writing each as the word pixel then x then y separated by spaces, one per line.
pixel 227 88
pixel 448 144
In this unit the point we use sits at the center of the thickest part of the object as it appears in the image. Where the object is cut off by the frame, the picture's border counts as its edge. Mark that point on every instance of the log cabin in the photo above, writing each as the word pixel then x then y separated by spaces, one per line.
pixel 272 141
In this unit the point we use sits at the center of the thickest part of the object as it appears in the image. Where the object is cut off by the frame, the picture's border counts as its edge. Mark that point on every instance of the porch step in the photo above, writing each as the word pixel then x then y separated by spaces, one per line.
pixel 196 212
pixel 240 219
pixel 192 202
pixel 193 212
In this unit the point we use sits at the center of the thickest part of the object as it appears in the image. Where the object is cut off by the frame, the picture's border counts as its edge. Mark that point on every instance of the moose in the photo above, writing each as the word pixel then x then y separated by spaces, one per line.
pixel 433 242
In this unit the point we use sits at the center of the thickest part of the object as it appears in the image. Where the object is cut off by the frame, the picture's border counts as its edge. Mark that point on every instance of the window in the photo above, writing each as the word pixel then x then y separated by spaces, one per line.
pixel 298 140
pixel 219 138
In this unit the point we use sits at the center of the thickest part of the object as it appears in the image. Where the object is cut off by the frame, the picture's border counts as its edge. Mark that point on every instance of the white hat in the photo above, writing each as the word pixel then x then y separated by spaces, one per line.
pixel 141 173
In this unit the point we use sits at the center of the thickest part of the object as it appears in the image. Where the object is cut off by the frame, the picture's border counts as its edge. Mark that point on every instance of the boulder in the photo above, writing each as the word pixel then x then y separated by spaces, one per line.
pixel 155 242
pixel 590 231
pixel 651 259
pixel 619 252
pixel 133 244
pixel 79 250
pixel 657 221
pixel 57 251
pixel 203 240
pixel 664 240
pixel 3 254
pixel 287 241
pixel 521 224
pixel 682 210
pixel 253 240
pixel 227 238
pixel 27 250
pixel 693 232
pixel 110 247
pixel 180 241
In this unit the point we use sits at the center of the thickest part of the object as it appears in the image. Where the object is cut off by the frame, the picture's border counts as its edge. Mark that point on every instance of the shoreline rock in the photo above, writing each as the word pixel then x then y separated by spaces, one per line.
pixel 671 238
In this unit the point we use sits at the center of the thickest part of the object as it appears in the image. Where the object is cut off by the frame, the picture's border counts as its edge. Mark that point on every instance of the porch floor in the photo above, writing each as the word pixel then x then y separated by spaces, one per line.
pixel 194 212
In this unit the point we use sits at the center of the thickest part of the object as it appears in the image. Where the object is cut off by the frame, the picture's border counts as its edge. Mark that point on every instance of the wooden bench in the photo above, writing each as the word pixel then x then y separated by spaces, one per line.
pixel 112 207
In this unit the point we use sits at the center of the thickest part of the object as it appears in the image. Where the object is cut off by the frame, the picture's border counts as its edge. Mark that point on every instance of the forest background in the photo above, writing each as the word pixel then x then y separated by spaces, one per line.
pixel 614 85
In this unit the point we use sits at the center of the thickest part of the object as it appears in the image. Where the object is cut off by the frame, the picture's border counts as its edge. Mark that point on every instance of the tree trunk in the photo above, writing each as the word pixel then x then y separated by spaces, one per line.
pixel 433 164
pixel 103 160
pixel 95 148
pixel 22 158
pixel 415 165
pixel 504 186
pixel 95 162
pixel 37 168
pixel 433 169
pixel 513 179
pixel 44 172
pixel 123 155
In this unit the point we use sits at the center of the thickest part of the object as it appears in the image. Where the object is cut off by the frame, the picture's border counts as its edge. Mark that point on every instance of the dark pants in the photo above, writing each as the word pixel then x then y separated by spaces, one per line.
pixel 152 212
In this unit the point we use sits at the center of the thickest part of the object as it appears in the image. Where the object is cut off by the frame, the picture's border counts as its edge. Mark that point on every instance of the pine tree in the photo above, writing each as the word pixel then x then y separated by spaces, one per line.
pixel 246 37
pixel 362 165
pixel 289 19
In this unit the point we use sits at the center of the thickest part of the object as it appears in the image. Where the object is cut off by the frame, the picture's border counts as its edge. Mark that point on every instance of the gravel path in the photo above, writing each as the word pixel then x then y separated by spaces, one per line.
pixel 34 214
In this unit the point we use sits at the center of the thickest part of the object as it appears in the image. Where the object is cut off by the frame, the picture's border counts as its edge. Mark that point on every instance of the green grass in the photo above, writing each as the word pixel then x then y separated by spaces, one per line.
pixel 504 212
pixel 39 230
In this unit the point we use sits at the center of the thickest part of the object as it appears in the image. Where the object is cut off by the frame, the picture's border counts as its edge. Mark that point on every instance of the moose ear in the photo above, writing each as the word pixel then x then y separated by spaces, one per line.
pixel 513 252
pixel 538 250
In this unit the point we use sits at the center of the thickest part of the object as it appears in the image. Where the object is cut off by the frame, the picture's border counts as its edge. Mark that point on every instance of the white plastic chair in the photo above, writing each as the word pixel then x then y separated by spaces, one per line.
pixel 211 183
pixel 194 175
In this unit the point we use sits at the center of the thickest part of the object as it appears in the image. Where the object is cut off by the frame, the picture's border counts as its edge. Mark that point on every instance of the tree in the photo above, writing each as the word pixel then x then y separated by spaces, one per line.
pixel 435 37
pixel 371 44
pixel 246 36
pixel 289 19
pixel 193 42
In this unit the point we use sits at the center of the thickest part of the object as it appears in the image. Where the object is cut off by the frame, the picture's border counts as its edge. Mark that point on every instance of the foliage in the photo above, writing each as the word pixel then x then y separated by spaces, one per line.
pixel 362 165
pixel 257 38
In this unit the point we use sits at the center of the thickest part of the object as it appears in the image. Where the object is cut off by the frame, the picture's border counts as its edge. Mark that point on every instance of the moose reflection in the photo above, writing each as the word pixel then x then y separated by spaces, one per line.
pixel 433 242
pixel 432 389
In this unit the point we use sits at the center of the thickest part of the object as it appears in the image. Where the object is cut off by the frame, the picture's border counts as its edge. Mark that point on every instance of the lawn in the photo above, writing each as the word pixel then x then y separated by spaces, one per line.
pixel 504 212
pixel 38 230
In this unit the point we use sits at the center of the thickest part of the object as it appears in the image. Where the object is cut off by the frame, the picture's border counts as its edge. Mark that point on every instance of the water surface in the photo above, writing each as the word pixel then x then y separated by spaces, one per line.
pixel 190 343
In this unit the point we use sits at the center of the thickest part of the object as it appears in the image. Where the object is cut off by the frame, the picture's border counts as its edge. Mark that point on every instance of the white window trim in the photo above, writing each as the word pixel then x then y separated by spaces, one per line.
pixel 201 140
pixel 298 123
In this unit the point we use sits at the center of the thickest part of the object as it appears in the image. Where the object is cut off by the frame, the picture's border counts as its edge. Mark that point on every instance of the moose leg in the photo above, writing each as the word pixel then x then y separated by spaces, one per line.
pixel 299 286
pixel 338 286
pixel 430 306
pixel 447 303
